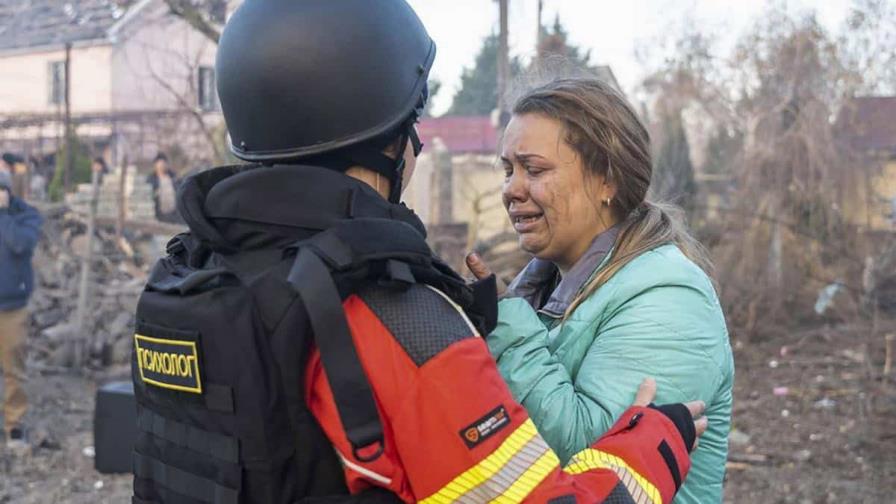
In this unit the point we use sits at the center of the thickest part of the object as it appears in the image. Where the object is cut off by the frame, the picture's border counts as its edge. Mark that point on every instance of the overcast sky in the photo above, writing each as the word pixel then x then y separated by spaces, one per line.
pixel 613 30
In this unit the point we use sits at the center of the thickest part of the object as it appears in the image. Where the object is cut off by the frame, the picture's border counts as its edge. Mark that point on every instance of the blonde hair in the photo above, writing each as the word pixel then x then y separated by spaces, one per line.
pixel 601 127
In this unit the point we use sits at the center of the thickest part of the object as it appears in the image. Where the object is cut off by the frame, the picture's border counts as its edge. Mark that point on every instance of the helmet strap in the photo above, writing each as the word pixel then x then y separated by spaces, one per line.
pixel 398 171
pixel 370 156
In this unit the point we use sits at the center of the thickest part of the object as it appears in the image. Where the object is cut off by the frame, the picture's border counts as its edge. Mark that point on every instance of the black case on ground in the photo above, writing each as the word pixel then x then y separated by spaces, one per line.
pixel 115 427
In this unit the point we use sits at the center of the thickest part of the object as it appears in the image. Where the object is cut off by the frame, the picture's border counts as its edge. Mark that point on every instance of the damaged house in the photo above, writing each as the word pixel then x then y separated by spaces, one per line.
pixel 136 78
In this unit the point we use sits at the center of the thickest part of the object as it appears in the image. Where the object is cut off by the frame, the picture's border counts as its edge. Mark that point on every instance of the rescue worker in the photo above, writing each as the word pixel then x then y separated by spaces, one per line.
pixel 322 98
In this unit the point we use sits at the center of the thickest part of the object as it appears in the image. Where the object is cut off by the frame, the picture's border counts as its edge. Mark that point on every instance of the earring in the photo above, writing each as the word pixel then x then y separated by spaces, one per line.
pixel 608 201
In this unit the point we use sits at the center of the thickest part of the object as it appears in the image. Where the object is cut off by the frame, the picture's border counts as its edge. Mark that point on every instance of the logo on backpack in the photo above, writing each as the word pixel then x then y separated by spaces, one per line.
pixel 168 363
pixel 485 427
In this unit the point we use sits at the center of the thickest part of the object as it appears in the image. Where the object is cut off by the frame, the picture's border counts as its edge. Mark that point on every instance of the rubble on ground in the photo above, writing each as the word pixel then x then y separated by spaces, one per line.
pixel 118 272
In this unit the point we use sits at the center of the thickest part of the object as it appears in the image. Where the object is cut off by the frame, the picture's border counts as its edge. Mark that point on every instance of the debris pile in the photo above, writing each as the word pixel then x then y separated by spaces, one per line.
pixel 137 200
pixel 118 271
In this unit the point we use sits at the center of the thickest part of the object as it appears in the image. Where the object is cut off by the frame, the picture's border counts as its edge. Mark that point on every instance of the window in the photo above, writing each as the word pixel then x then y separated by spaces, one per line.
pixel 208 94
pixel 56 80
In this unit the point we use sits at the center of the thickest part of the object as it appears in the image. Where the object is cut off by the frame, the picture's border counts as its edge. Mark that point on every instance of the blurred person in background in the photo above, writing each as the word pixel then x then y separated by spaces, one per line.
pixel 100 167
pixel 19 231
pixel 18 170
pixel 618 289
pixel 37 186
pixel 164 189
pixel 8 159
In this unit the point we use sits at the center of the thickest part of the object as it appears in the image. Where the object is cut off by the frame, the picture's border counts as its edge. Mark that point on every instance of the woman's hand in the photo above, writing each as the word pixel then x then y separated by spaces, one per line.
pixel 481 271
pixel 646 393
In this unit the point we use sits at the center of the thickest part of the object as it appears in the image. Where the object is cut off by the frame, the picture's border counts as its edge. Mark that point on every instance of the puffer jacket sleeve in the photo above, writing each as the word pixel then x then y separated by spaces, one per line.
pixel 19 232
pixel 641 336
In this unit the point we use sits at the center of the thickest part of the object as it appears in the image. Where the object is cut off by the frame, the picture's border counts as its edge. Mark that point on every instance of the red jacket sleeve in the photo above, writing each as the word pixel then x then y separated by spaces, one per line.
pixel 454 432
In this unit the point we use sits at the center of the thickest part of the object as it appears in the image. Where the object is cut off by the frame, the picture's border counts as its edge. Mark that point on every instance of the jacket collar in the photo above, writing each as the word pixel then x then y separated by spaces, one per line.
pixel 542 286
pixel 234 207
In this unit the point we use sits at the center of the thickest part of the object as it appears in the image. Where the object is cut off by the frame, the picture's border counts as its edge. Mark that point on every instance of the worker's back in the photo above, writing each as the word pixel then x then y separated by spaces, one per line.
pixel 223 334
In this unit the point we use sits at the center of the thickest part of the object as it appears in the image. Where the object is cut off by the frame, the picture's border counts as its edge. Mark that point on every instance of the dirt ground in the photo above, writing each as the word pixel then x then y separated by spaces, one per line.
pixel 814 423
pixel 58 470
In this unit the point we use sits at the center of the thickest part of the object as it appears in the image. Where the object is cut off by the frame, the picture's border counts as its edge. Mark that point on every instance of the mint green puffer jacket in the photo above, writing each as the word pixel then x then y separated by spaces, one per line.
pixel 658 316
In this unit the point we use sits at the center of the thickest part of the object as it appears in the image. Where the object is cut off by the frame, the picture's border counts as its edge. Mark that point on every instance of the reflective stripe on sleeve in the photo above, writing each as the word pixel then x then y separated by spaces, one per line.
pixel 641 490
pixel 507 475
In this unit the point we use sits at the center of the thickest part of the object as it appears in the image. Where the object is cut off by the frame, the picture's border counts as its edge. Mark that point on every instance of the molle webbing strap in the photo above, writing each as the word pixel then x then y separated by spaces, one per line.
pixel 183 482
pixel 207 443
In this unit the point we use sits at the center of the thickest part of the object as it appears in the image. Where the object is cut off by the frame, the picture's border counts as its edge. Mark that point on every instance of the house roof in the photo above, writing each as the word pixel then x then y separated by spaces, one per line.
pixel 476 134
pixel 460 134
pixel 38 23
pixel 867 123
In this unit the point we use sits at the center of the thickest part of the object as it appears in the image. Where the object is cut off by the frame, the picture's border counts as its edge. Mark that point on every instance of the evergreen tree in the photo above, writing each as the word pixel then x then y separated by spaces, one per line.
pixel 81 169
pixel 434 86
pixel 478 93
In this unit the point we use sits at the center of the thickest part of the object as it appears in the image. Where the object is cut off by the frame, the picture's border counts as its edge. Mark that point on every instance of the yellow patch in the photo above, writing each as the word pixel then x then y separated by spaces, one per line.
pixel 168 363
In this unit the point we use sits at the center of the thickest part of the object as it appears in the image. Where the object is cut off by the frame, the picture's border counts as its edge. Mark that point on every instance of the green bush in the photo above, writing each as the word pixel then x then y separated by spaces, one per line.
pixel 80 174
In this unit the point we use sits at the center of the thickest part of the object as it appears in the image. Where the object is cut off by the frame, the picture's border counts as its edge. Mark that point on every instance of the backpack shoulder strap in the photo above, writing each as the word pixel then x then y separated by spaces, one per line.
pixel 329 267
pixel 311 279
pixel 332 265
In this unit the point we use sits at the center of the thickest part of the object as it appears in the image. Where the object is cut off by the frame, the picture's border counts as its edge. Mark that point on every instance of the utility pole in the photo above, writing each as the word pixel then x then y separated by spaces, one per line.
pixel 503 65
pixel 83 341
pixel 69 154
pixel 538 21
pixel 122 201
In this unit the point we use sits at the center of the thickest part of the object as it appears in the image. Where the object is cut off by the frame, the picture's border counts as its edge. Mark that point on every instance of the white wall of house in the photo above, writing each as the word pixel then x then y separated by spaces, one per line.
pixel 151 63
pixel 25 80
pixel 155 66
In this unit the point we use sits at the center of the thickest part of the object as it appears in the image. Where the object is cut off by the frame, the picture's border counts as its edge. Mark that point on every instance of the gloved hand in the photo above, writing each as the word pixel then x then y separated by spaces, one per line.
pixel 687 417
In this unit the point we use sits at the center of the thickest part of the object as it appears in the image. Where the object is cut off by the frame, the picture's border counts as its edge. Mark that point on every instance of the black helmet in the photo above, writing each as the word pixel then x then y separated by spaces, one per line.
pixel 308 78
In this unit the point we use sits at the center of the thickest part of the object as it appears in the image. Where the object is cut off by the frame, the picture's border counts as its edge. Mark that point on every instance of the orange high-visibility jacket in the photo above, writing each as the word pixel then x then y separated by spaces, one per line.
pixel 454 433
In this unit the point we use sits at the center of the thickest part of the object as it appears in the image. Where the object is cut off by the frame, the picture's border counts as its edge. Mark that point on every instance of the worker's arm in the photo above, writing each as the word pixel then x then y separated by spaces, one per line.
pixel 453 431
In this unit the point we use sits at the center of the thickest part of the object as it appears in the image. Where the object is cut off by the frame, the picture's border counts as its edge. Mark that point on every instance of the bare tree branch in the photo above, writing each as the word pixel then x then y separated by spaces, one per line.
pixel 185 102
pixel 193 16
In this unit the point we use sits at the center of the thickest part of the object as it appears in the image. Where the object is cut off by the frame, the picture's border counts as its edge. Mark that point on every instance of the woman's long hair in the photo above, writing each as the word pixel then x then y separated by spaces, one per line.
pixel 605 132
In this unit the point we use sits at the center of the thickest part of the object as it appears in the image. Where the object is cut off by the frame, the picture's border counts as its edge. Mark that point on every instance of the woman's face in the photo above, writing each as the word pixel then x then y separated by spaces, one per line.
pixel 553 203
